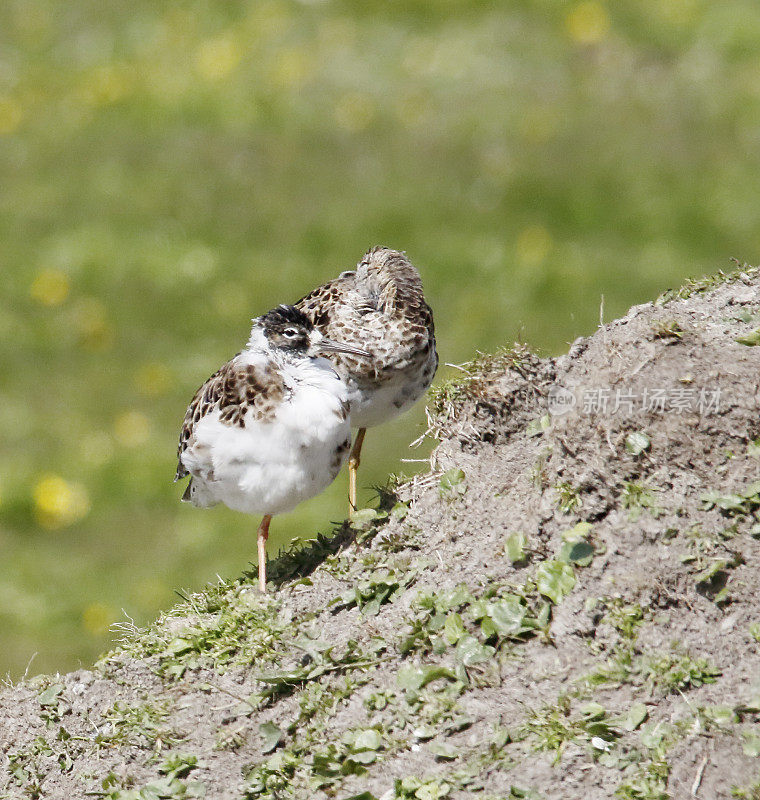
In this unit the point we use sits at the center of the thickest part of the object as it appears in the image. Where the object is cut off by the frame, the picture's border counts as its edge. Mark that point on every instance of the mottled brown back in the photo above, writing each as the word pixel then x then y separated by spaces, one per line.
pixel 235 390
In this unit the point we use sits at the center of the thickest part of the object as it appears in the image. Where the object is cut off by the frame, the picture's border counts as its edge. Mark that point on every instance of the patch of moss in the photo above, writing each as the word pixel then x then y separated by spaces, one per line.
pixel 227 624
pixel 143 725
pixel 706 283
pixel 446 398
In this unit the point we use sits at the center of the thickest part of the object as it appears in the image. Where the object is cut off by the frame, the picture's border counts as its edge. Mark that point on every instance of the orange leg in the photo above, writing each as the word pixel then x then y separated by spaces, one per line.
pixel 353 465
pixel 262 536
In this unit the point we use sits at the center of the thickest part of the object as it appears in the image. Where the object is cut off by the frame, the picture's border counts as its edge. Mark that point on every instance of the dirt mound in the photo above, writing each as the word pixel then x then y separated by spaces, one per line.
pixel 565 606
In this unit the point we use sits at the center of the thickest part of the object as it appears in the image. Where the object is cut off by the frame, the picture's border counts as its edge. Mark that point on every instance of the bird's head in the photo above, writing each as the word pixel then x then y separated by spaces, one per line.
pixel 287 329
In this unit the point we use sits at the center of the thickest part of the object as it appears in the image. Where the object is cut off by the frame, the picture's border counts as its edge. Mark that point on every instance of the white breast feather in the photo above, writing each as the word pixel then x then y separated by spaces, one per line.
pixel 270 466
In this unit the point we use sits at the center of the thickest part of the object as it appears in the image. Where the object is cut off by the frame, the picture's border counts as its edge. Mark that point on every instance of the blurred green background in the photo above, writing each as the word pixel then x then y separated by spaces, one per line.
pixel 169 170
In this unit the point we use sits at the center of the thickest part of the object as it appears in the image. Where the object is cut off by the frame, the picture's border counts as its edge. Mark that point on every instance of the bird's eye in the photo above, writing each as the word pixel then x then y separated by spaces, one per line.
pixel 291 333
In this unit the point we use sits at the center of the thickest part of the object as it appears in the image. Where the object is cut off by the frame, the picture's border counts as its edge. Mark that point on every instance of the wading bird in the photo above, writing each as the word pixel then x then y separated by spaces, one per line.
pixel 271 427
pixel 380 308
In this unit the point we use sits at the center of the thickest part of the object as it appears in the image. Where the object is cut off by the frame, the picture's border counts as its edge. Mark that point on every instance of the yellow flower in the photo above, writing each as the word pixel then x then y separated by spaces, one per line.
pixel 354 111
pixel 59 503
pixel 588 22
pixel 216 58
pixel 150 593
pixel 533 246
pixel 539 124
pixel 132 428
pixel 290 68
pixel 680 12
pixel 98 618
pixel 50 288
pixel 106 84
pixel 153 379
pixel 11 115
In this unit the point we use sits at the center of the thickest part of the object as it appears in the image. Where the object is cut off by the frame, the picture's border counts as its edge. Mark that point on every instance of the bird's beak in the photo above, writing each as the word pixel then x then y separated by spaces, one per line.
pixel 329 346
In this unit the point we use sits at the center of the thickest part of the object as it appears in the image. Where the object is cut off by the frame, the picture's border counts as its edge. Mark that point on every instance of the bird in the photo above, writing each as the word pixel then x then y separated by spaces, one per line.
pixel 271 427
pixel 379 307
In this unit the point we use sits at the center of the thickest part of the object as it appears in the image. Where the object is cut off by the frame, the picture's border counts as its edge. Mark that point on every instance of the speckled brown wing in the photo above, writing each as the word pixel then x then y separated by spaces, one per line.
pixel 235 390
pixel 323 303
pixel 337 311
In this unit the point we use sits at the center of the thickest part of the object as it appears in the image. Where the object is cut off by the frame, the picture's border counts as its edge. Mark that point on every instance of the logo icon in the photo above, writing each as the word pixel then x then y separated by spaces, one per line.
pixel 560 401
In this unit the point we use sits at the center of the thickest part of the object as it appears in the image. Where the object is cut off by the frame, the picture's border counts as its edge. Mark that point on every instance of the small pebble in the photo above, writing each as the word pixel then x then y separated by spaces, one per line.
pixel 728 623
